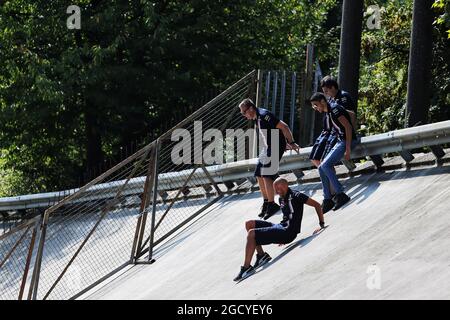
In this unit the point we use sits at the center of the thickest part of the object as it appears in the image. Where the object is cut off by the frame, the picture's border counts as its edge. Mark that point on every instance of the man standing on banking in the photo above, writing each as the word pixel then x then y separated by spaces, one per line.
pixel 268 124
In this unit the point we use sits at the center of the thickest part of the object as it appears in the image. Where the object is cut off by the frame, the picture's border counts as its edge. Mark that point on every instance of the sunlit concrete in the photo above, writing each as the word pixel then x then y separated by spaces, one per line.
pixel 391 242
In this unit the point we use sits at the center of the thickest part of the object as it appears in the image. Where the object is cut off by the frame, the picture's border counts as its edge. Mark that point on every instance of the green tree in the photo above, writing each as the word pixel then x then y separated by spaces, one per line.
pixel 71 98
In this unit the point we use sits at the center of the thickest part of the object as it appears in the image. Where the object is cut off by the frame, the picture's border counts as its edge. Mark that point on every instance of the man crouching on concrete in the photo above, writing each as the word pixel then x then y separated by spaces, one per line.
pixel 262 232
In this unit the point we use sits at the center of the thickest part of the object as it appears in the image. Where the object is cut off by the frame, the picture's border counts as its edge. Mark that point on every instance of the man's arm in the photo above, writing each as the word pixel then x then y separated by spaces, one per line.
pixel 352 118
pixel 288 135
pixel 313 203
pixel 348 136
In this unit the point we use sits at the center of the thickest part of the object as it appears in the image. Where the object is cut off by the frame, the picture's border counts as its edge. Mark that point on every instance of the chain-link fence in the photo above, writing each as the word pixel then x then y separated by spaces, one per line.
pixel 16 250
pixel 103 226
pixel 190 178
pixel 90 234
pixel 123 215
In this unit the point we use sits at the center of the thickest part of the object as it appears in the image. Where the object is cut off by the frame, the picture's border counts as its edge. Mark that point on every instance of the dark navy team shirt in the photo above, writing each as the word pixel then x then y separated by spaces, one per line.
pixel 267 120
pixel 326 124
pixel 335 111
pixel 344 99
pixel 292 208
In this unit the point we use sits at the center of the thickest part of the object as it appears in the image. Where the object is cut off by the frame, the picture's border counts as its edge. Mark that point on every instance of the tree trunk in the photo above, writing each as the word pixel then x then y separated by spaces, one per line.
pixel 94 156
pixel 420 54
pixel 350 46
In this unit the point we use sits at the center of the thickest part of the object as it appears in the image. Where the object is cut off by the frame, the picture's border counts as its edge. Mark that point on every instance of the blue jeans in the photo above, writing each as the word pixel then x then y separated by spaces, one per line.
pixel 326 169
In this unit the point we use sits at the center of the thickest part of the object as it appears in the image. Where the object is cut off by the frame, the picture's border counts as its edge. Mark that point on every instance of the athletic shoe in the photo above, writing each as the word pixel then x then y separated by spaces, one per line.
pixel 340 199
pixel 244 273
pixel 262 259
pixel 263 209
pixel 272 208
pixel 327 205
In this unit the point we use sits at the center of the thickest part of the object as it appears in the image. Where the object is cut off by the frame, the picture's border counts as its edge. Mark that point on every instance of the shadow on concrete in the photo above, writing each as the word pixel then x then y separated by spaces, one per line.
pixel 297 244
pixel 362 187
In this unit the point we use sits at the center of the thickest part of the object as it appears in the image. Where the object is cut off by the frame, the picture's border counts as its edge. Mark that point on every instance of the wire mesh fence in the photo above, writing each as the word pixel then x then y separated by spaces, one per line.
pixel 103 226
pixel 122 215
pixel 90 234
pixel 16 249
pixel 190 179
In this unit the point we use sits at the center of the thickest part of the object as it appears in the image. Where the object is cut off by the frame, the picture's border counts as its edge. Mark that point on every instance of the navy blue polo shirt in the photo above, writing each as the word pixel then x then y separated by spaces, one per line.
pixel 292 208
pixel 344 99
pixel 267 120
pixel 335 111
pixel 326 124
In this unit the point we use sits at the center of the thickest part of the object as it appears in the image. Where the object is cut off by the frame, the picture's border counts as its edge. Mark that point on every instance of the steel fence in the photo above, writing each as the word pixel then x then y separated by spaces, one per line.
pixel 120 217
pixel 169 214
pixel 16 251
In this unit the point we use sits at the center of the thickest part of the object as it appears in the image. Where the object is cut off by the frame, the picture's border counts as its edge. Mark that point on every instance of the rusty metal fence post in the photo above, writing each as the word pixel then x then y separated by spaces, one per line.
pixel 16 251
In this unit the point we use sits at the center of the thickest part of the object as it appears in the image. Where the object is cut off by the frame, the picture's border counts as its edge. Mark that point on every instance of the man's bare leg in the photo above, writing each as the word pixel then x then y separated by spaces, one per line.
pixel 250 248
pixel 316 163
pixel 270 193
pixel 262 187
pixel 249 225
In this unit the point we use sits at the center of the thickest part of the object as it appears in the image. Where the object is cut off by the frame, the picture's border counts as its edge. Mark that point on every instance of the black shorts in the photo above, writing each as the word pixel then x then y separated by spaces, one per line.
pixel 260 164
pixel 270 233
pixel 319 147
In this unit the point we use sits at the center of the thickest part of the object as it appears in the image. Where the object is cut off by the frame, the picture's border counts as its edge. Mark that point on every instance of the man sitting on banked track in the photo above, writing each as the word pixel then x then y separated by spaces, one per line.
pixel 262 232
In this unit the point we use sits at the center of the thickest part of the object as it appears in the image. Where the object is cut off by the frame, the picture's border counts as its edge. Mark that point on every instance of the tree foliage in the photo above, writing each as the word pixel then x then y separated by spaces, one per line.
pixel 69 99
pixel 384 70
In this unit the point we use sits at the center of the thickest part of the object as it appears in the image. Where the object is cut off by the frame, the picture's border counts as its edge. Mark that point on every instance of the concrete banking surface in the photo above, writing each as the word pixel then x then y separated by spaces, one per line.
pixel 392 241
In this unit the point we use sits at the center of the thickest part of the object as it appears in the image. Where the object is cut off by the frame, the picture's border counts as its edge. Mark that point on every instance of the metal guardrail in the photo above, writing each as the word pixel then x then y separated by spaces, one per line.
pixel 390 142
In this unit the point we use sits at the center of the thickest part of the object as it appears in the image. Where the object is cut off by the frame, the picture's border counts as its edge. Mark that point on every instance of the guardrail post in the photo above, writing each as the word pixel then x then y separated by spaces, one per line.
pixel 299 174
pixel 437 151
pixel 377 160
pixel 407 156
pixel 349 165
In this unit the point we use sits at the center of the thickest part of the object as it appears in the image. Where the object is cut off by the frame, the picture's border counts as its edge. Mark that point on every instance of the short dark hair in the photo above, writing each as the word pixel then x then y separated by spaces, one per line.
pixel 247 103
pixel 318 96
pixel 329 82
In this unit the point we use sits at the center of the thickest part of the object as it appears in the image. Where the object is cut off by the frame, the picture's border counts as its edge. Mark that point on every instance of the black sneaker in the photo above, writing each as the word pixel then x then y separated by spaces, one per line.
pixel 263 209
pixel 272 208
pixel 341 199
pixel 244 273
pixel 327 205
pixel 262 259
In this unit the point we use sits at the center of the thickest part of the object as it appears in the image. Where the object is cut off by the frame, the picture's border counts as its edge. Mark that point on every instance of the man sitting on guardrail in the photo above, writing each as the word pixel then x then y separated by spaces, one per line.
pixel 345 135
pixel 267 123
pixel 325 142
pixel 260 232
